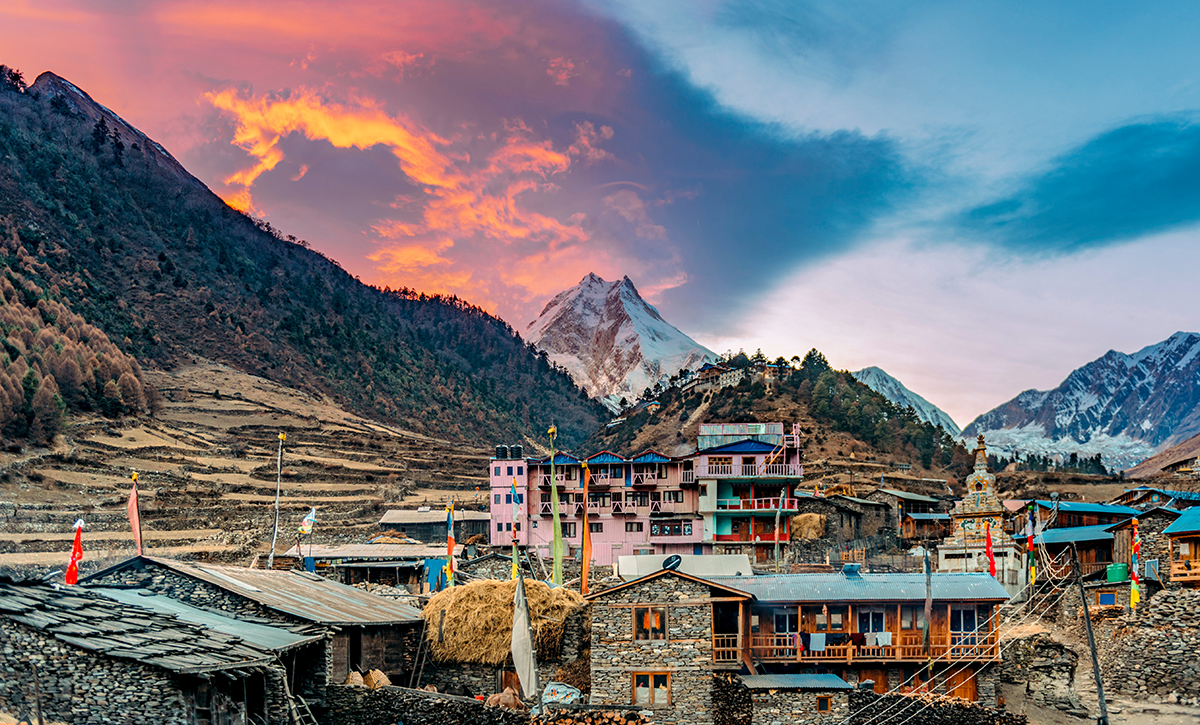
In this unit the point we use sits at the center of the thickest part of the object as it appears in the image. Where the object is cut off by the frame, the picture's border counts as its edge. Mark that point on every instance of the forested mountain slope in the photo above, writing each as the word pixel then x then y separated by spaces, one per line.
pixel 101 220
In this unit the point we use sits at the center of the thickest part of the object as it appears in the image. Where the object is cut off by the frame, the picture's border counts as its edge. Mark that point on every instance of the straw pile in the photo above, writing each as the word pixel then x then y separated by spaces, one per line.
pixel 807 527
pixel 478 621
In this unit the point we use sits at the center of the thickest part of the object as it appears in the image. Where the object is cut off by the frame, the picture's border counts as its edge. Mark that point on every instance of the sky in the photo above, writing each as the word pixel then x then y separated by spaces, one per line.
pixel 977 197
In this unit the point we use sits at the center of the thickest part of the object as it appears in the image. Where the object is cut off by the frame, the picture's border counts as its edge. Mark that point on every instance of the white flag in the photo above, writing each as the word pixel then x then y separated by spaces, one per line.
pixel 522 645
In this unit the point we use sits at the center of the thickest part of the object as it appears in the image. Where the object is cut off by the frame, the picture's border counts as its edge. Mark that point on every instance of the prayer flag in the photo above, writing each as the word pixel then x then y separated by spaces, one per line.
pixel 1029 547
pixel 587 534
pixel 306 525
pixel 556 542
pixel 516 509
pixel 72 576
pixel 450 545
pixel 991 556
pixel 135 520
pixel 524 661
pixel 1135 592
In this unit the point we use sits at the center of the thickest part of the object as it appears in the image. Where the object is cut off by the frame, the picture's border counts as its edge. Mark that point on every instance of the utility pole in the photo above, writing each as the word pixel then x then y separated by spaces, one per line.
pixel 928 598
pixel 275 531
pixel 1087 620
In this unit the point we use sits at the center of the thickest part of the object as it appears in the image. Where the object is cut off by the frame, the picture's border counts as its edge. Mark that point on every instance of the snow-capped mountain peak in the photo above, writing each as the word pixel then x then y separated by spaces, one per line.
pixel 611 341
pixel 895 391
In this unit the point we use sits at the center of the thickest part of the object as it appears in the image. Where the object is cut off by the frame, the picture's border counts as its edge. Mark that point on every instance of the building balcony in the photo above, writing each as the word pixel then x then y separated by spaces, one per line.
pixel 560 480
pixel 783 648
pixel 687 476
pixel 769 470
pixel 647 479
pixel 1187 571
pixel 758 504
pixel 546 508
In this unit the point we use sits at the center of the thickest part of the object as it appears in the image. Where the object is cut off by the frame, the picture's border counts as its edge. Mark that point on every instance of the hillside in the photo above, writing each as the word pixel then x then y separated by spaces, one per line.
pixel 839 417
pixel 102 220
pixel 1156 463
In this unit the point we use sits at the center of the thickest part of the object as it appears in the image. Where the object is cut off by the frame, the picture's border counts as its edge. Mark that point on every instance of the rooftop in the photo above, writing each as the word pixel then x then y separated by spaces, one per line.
pixel 300 594
pixel 1075 534
pixel 1084 507
pixel 412 516
pixel 91 622
pixel 1187 523
pixel 796 682
pixel 704 566
pixel 908 496
pixel 927 517
pixel 372 552
pixel 838 587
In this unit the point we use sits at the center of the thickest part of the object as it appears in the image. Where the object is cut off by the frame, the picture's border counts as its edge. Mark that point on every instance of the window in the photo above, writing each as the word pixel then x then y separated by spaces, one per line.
pixel 534 522
pixel 639 498
pixel 1106 598
pixel 596 528
pixel 517 526
pixel 508 498
pixel 673 496
pixel 649 623
pixel 652 688
pixel 520 470
pixel 508 526
pixel 666 529
pixel 822 704
pixel 497 498
pixel 520 498
pixel 568 529
pixel 496 471
pixel 499 526
pixel 870 619
pixel 545 498
pixel 786 622
pixel 510 471
pixel 633 526
pixel 912 617
pixel 704 489
pixel 831 619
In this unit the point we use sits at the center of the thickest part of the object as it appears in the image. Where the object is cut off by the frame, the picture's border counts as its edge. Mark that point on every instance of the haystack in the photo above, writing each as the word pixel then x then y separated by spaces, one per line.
pixel 479 616
pixel 807 527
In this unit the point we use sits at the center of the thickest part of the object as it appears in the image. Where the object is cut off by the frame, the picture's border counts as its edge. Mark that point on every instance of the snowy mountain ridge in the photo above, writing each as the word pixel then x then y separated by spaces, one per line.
pixel 611 341
pixel 895 391
pixel 1123 406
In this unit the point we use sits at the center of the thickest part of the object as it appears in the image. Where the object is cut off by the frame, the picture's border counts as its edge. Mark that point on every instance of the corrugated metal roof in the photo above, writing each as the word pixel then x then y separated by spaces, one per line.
pixel 865 587
pixel 928 517
pixel 605 457
pixel 1170 493
pixel 909 496
pixel 1074 534
pixel 260 635
pixel 746 446
pixel 796 682
pixel 1083 507
pixel 705 566
pixel 1187 523
pixel 651 456
pixel 91 622
pixel 367 552
pixel 862 501
pixel 560 459
pixel 409 516
pixel 300 594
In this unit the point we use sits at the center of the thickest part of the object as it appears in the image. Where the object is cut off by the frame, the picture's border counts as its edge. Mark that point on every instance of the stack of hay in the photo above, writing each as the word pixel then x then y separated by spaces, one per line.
pixel 478 620
pixel 373 680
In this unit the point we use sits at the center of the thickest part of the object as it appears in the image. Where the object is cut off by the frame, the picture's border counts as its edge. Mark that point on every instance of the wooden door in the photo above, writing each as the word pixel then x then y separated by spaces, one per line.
pixel 743 529
pixel 509 678
pixel 879 676
pixel 961 683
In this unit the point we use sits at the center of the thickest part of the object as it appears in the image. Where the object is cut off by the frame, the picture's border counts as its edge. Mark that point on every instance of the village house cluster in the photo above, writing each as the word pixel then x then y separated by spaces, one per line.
pixel 723 580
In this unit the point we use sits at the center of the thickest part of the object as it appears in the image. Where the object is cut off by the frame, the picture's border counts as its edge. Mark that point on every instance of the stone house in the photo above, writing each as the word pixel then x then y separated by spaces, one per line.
pixel 430 526
pixel 360 631
pixel 1155 560
pixel 904 502
pixel 654 643
pixel 1184 535
pixel 96 656
pixel 798 699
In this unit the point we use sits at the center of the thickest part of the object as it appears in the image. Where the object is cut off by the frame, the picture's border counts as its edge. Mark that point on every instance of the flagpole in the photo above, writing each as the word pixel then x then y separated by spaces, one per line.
pixel 587 534
pixel 556 545
pixel 278 478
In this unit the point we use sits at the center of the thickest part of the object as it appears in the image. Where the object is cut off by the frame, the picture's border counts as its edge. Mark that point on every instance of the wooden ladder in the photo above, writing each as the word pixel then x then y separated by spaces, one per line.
pixel 298 710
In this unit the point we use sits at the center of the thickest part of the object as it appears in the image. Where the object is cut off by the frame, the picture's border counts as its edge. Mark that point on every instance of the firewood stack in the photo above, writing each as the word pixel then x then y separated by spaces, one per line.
pixel 590 717
pixel 732 704
pixel 927 708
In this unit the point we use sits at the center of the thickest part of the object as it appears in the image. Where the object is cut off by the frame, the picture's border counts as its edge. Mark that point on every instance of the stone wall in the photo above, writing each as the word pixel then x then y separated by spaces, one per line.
pixel 686 654
pixel 1046 668
pixel 798 707
pixel 390 705
pixel 1153 651
pixel 78 686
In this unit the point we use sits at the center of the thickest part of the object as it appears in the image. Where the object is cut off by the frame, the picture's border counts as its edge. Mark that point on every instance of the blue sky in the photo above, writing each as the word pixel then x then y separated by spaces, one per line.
pixel 977 197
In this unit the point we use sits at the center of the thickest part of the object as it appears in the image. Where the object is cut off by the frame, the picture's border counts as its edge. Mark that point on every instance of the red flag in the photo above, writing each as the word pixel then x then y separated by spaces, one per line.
pixel 72 576
pixel 990 555
pixel 135 521
pixel 450 545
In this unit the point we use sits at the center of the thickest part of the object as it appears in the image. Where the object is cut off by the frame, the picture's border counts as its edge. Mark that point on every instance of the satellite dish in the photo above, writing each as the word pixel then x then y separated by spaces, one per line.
pixel 672 562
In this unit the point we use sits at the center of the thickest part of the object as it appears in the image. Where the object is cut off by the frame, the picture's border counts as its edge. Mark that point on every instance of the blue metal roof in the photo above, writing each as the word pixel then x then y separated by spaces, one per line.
pixel 796 682
pixel 1187 523
pixel 605 457
pixel 928 517
pixel 1083 507
pixel 746 446
pixel 1075 534
pixel 560 459
pixel 865 587
pixel 259 635
pixel 1170 493
pixel 651 457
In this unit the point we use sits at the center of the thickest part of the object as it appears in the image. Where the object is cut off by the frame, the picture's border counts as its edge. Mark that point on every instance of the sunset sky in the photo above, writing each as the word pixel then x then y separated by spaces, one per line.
pixel 977 197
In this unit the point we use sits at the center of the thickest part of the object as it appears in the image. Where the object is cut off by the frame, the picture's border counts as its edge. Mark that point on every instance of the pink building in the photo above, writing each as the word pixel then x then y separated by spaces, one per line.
pixel 647 504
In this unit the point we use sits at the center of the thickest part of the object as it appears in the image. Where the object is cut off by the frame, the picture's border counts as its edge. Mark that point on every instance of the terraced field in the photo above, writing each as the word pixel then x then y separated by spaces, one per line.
pixel 207 464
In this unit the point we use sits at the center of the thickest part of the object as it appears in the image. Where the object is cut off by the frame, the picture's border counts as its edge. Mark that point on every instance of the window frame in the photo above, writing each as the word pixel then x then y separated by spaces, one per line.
pixel 634 527
pixel 650 675
pixel 665 631
pixel 824 703
pixel 595 527
pixel 917 620
pixel 569 530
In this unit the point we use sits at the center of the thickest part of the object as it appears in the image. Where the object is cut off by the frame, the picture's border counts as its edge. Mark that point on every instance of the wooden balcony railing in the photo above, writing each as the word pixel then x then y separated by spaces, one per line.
pixel 546 508
pixel 769 470
pixel 687 476
pixel 1185 571
pixel 725 648
pixel 544 480
pixel 906 647
pixel 757 504
pixel 649 478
